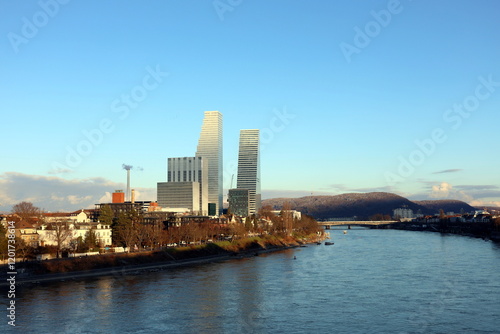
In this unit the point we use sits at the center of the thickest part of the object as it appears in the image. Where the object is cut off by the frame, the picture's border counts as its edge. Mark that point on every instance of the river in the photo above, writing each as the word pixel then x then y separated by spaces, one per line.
pixel 370 281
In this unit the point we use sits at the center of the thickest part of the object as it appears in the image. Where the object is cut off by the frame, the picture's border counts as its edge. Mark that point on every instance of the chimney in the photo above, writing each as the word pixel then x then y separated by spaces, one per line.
pixel 128 185
pixel 133 196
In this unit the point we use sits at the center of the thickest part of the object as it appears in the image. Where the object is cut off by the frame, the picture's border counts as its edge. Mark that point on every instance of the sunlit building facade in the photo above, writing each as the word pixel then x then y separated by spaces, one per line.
pixel 249 168
pixel 210 148
pixel 179 195
pixel 191 169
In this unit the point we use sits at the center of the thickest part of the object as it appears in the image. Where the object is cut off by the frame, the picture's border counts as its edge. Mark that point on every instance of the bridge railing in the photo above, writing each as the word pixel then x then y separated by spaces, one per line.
pixel 360 222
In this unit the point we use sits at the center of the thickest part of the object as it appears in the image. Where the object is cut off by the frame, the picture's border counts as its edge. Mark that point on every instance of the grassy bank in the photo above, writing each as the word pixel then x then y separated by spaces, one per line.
pixel 171 255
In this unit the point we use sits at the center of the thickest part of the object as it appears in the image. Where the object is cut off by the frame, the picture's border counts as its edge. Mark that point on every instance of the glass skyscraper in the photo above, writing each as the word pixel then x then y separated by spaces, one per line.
pixel 210 148
pixel 249 167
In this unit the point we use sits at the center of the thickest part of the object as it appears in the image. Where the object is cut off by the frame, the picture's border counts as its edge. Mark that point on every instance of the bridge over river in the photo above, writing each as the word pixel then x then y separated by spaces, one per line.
pixel 364 223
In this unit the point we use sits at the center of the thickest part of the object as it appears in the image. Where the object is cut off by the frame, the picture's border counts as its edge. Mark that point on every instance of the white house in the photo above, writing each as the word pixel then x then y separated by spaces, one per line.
pixel 295 214
pixel 81 216
pixel 48 234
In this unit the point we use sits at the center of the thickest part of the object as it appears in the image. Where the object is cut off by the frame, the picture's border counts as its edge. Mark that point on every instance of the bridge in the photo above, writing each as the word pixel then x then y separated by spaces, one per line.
pixel 365 223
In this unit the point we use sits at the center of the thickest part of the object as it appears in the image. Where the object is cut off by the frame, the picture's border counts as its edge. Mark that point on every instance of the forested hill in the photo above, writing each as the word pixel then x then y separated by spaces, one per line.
pixel 363 205
pixel 447 205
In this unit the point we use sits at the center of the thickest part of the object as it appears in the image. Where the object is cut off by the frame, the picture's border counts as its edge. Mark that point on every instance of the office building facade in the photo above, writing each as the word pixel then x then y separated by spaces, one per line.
pixel 249 167
pixel 191 169
pixel 210 148
pixel 177 195
pixel 239 202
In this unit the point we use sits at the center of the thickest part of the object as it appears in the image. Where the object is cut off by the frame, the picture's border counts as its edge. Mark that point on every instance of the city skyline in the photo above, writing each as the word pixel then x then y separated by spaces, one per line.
pixel 394 96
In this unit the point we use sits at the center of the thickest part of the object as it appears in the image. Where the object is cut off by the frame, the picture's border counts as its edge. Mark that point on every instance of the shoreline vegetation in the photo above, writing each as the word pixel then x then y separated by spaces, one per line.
pixel 489 231
pixel 74 239
pixel 121 263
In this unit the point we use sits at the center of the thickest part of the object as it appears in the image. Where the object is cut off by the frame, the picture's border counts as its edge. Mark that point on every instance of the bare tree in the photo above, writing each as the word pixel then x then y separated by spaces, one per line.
pixel 186 232
pixel 266 211
pixel 142 232
pixel 239 231
pixel 61 233
pixel 287 217
pixel 4 241
pixel 308 225
pixel 164 238
pixel 154 235
pixel 23 248
pixel 28 212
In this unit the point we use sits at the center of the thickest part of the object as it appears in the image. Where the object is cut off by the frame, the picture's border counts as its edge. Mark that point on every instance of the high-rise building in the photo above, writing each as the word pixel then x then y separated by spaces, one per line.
pixel 191 169
pixel 210 148
pixel 249 167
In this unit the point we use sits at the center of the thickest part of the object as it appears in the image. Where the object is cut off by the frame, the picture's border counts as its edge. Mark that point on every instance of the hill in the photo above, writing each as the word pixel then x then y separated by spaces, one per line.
pixel 447 205
pixel 362 205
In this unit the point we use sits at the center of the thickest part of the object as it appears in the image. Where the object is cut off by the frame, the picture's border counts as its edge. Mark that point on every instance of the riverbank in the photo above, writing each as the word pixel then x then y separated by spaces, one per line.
pixel 122 264
pixel 476 230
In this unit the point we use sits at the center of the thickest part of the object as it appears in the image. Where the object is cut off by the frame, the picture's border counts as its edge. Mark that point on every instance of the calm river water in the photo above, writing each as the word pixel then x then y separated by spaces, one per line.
pixel 370 281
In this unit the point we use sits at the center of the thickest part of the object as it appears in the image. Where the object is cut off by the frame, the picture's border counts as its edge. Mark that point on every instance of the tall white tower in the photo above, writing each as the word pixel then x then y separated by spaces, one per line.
pixel 249 167
pixel 210 148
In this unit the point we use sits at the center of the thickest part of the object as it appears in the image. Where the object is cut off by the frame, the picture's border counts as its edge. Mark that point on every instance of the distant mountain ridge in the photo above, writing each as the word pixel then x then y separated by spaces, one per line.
pixel 448 205
pixel 364 205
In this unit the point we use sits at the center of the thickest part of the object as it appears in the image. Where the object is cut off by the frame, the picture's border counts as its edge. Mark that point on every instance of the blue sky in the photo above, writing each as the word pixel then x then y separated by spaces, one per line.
pixel 399 96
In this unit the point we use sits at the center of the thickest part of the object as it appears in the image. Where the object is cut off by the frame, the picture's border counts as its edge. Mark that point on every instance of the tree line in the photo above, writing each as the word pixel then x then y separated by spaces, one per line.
pixel 132 230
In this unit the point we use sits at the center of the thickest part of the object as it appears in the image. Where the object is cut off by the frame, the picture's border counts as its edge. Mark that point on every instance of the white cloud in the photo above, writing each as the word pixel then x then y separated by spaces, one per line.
pixel 106 198
pixel 57 198
pixel 448 171
pixel 442 190
pixel 73 199
pixel 446 190
pixel 479 203
pixel 474 195
pixel 60 171
pixel 57 194
pixel 273 193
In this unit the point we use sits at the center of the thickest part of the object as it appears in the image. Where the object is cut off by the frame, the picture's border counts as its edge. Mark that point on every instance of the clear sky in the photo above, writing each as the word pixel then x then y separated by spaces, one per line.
pixel 398 96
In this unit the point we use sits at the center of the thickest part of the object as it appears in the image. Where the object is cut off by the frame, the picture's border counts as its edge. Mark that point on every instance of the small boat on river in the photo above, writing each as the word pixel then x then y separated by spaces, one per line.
pixel 328 243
